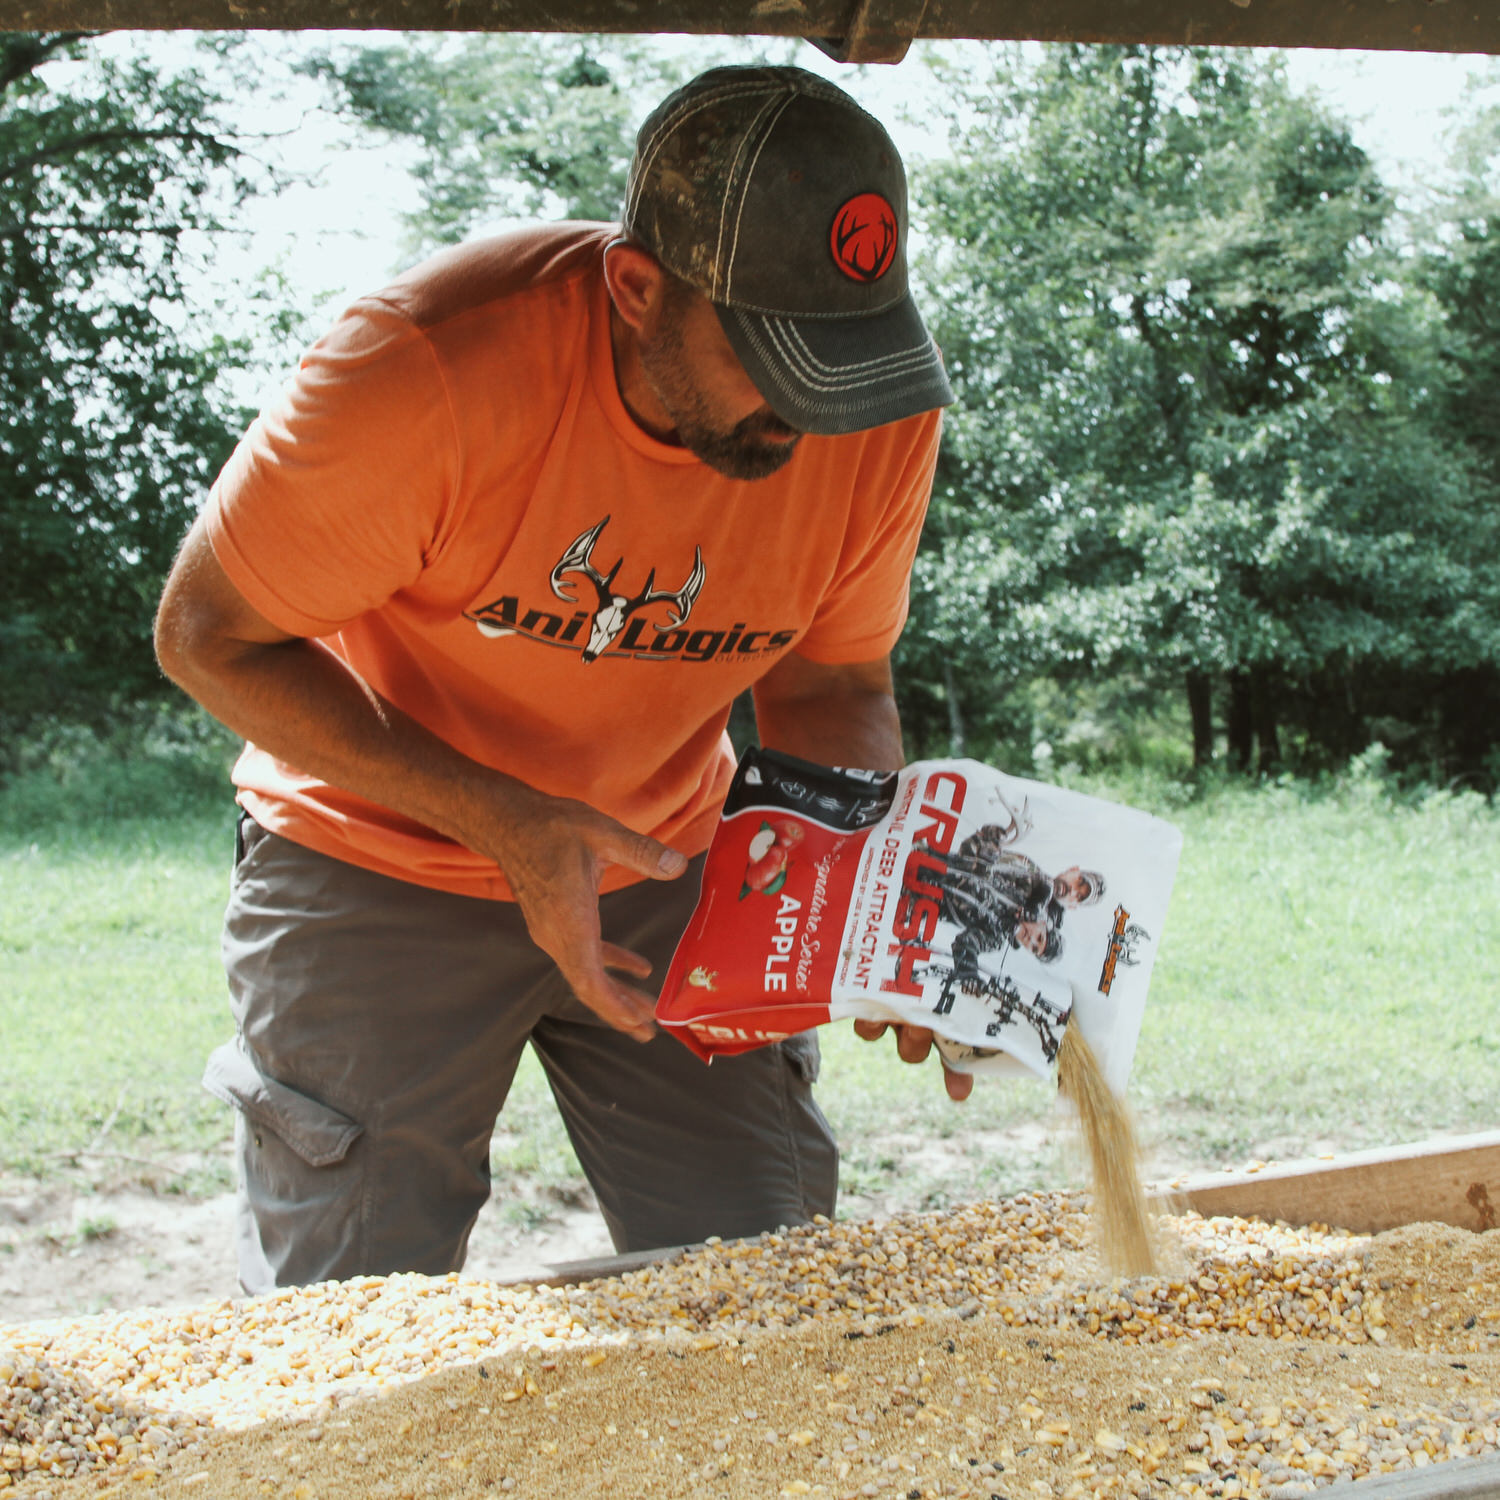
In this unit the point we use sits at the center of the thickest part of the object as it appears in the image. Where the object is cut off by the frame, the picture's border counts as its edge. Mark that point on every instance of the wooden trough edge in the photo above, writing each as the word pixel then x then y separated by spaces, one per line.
pixel 1450 1180
pixel 573 1272
pixel 1457 1479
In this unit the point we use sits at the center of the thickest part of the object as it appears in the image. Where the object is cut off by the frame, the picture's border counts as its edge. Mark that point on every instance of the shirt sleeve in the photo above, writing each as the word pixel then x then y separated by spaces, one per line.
pixel 338 492
pixel 861 615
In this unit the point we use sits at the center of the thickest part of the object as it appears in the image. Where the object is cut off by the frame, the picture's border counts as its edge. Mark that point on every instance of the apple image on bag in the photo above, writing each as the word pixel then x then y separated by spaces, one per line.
pixel 770 854
pixel 788 832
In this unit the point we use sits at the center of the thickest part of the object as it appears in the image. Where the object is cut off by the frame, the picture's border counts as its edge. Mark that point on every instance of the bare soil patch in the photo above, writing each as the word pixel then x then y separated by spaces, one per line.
pixel 72 1247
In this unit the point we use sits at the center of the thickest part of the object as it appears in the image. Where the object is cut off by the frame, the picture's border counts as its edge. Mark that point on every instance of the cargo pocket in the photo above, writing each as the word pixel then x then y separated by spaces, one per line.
pixel 301 1212
pixel 801 1050
pixel 319 1134
pixel 247 834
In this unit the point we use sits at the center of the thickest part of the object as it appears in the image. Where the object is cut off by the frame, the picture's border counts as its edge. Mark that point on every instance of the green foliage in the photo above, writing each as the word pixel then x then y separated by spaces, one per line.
pixel 152 761
pixel 511 125
pixel 1462 266
pixel 1216 429
pixel 508 125
pixel 112 426
pixel 1197 434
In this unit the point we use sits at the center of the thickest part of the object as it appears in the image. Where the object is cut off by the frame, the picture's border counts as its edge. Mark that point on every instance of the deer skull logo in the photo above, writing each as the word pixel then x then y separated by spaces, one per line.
pixel 614 610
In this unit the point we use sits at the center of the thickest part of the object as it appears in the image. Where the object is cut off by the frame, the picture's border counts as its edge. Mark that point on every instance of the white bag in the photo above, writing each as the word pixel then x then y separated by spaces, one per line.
pixel 992 909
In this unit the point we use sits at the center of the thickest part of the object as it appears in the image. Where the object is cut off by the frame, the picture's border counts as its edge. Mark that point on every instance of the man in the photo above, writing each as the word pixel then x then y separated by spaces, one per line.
pixel 479 593
pixel 989 929
pixel 999 897
pixel 988 875
pixel 993 886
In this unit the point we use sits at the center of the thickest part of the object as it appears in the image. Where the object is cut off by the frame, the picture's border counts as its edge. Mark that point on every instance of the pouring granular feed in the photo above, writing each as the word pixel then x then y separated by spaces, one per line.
pixel 1119 1208
pixel 1015 920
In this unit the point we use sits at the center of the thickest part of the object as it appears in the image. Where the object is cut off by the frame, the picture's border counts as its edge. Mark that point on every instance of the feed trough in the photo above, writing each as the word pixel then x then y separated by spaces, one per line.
pixel 968 1353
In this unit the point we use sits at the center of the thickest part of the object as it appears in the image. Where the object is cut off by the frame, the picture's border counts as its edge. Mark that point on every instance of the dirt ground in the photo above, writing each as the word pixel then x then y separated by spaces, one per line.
pixel 81 1245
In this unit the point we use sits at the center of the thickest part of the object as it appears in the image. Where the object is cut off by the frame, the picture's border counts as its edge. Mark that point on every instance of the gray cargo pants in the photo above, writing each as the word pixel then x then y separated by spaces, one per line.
pixel 379 1025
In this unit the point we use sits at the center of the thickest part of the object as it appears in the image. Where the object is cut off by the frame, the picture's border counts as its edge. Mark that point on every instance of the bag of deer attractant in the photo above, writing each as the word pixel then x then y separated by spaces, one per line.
pixel 995 910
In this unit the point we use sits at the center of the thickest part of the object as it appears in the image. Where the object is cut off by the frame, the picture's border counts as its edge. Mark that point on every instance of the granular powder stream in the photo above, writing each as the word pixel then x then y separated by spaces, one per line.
pixel 1119 1209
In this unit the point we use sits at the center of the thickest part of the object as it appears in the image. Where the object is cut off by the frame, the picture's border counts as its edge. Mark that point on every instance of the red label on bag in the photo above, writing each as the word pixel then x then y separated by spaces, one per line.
pixel 777 934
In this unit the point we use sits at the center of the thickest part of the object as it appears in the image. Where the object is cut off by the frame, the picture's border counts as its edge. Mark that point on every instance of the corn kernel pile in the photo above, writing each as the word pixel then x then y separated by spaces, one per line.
pixel 1281 1359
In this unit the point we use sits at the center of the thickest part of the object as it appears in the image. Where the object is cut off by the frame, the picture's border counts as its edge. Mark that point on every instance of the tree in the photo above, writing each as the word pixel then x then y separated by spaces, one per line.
pixel 110 425
pixel 1462 268
pixel 505 126
pixel 1189 384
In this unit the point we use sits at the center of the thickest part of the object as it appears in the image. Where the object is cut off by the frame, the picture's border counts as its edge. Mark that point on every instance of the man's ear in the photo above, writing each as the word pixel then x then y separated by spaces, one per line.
pixel 635 279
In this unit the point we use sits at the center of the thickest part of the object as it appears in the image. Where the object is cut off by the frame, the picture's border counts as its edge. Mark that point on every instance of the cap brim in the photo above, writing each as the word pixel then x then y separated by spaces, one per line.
pixel 836 375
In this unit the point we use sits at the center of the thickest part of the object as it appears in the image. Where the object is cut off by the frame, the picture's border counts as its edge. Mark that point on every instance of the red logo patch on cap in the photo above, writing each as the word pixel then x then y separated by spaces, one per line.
pixel 863 237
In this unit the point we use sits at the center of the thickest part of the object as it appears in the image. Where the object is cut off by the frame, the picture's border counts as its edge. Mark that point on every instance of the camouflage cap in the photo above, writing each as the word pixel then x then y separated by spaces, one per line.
pixel 771 192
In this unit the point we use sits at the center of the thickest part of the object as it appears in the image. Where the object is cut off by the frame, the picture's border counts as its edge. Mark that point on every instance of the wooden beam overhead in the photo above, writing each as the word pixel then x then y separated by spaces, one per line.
pixel 855 30
pixel 876 31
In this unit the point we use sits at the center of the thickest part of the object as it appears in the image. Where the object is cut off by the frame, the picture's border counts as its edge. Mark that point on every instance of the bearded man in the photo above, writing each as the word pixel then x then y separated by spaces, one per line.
pixel 479 591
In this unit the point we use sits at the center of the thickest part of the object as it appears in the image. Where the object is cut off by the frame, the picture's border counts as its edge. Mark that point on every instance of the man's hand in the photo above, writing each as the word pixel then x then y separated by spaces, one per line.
pixel 304 705
pixel 553 852
pixel 913 1043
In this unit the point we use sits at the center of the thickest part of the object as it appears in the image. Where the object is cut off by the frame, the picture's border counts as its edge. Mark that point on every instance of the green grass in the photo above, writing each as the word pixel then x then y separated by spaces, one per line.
pixel 111 993
pixel 1327 971
pixel 112 997
pixel 1325 980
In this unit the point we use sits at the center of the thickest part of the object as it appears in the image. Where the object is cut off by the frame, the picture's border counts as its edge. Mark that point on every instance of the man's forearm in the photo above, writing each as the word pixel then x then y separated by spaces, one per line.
pixel 835 729
pixel 298 701
pixel 302 704
pixel 306 706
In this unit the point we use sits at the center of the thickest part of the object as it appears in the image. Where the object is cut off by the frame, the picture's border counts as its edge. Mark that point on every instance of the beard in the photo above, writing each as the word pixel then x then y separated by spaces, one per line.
pixel 746 451
pixel 754 448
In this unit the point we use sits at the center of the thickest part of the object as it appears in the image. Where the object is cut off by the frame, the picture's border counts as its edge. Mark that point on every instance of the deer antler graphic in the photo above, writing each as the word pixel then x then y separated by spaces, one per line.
pixel 576 560
pixel 615 609
pixel 849 230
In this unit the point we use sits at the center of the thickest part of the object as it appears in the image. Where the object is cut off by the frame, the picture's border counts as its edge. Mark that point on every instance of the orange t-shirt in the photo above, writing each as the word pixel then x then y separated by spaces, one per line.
pixel 451 495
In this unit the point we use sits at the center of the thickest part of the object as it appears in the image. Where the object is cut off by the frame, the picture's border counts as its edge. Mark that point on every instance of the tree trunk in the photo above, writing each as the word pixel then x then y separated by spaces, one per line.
pixel 955 710
pixel 1240 723
pixel 1200 694
pixel 1263 710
